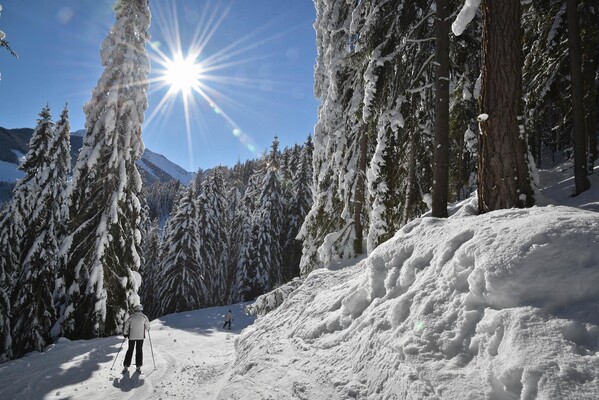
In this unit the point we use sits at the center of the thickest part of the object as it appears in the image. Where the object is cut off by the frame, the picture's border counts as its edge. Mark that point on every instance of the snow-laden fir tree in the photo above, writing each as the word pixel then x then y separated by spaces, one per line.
pixel 102 249
pixel 151 247
pixel 61 153
pixel 238 235
pixel 260 264
pixel 47 165
pixel 213 225
pixel 546 74
pixel 181 277
pixel 15 240
pixel 333 228
pixel 297 208
pixel 373 138
pixel 8 261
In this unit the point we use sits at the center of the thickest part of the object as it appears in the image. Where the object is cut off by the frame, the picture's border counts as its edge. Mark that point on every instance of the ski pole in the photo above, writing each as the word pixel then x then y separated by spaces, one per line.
pixel 151 349
pixel 117 354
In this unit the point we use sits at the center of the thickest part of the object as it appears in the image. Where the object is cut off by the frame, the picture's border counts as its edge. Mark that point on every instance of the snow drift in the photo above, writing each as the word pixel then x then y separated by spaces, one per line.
pixel 498 306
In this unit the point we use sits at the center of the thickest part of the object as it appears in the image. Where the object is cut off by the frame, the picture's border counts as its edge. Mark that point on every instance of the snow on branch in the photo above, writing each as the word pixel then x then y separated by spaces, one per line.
pixel 465 16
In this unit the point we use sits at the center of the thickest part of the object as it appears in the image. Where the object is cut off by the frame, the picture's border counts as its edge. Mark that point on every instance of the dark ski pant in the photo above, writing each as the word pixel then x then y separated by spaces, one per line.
pixel 139 355
pixel 227 323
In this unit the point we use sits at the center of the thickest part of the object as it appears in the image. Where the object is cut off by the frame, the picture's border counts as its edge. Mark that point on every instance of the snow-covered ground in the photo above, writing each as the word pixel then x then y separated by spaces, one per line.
pixel 192 353
pixel 499 306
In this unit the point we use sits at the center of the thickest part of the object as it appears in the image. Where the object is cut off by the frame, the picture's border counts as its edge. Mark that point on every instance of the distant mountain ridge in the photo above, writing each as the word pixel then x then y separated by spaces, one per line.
pixel 153 167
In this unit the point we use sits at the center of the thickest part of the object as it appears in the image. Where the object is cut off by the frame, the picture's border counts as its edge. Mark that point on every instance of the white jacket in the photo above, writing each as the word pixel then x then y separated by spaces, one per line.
pixel 136 326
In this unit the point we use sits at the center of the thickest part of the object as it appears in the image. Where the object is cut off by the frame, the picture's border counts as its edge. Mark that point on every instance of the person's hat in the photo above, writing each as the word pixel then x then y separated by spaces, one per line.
pixel 138 307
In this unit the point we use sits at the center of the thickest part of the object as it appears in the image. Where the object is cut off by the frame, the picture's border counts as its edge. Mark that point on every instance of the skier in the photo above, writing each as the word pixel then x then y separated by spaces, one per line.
pixel 135 330
pixel 228 319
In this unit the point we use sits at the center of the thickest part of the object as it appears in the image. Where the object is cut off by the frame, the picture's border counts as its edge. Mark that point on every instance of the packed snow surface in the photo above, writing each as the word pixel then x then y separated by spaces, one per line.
pixel 191 351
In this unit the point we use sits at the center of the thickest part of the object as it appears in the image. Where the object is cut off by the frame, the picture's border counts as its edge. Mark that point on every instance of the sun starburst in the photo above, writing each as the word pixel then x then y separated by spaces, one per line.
pixel 188 74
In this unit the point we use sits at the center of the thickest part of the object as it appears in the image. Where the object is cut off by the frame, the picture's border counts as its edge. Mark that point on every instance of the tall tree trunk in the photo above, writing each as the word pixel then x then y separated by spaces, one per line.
pixel 360 198
pixel 581 180
pixel 590 60
pixel 503 174
pixel 441 140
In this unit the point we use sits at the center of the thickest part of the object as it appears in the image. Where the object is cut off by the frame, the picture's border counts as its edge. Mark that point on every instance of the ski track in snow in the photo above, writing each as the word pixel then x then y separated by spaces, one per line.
pixel 193 355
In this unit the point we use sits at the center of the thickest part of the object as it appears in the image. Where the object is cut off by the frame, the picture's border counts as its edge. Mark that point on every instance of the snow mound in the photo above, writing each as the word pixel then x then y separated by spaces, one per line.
pixel 498 306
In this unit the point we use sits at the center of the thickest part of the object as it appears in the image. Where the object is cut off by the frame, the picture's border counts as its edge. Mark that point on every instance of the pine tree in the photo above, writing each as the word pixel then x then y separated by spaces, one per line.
pixel 374 75
pixel 182 286
pixel 47 166
pixel 332 229
pixel 212 225
pixel 8 261
pixel 61 151
pixel 149 272
pixel 260 265
pixel 102 249
pixel 298 207
pixel 546 74
pixel 239 229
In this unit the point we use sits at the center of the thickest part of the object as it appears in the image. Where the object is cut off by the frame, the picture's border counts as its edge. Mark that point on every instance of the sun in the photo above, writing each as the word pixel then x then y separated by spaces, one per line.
pixel 183 74
pixel 192 75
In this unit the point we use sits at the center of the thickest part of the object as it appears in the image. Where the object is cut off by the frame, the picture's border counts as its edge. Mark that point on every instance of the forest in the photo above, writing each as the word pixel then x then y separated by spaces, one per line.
pixel 415 113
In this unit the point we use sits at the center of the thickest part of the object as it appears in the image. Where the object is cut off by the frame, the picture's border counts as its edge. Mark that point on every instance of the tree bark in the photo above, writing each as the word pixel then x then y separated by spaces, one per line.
pixel 441 139
pixel 360 198
pixel 579 138
pixel 503 174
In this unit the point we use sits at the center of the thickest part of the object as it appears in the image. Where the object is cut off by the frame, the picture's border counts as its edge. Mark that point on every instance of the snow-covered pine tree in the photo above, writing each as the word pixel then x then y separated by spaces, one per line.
pixel 149 271
pixel 15 240
pixel 182 285
pixel 61 151
pixel 375 75
pixel 212 225
pixel 47 165
pixel 102 249
pixel 8 261
pixel 333 228
pixel 260 264
pixel 161 198
pixel 546 73
pixel 297 208
pixel 239 229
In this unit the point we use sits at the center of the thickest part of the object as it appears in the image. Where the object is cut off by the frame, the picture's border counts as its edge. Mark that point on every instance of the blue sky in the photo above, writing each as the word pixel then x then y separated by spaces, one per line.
pixel 264 51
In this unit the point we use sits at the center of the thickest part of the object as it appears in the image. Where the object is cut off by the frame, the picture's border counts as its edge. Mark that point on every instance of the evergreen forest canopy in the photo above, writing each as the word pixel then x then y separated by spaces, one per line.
pixel 411 117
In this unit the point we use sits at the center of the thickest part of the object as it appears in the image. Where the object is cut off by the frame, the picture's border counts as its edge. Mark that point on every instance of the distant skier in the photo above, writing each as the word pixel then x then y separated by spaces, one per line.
pixel 228 319
pixel 135 329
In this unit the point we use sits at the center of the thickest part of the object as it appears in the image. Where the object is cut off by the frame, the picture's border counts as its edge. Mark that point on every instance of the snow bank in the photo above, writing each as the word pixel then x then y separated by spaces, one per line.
pixel 498 306
pixel 273 299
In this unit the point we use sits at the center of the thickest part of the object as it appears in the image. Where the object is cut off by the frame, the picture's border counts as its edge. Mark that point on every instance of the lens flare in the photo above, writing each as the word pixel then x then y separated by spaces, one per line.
pixel 187 74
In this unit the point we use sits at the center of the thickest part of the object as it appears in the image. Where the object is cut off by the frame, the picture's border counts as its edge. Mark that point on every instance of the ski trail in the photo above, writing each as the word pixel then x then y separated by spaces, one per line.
pixel 193 356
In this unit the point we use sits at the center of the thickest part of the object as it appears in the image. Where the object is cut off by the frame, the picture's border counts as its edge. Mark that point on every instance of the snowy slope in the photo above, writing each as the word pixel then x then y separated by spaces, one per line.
pixel 155 166
pixel 191 351
pixel 150 160
pixel 499 306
